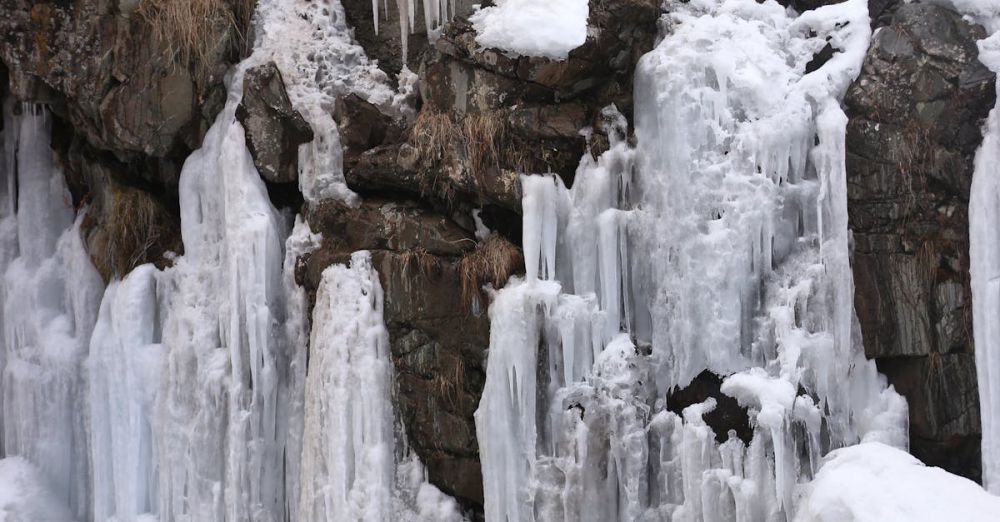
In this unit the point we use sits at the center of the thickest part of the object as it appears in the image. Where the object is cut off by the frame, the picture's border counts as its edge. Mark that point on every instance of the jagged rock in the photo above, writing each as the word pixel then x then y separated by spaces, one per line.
pixel 362 126
pixel 274 129
pixel 727 417
pixel 426 264
pixel 915 123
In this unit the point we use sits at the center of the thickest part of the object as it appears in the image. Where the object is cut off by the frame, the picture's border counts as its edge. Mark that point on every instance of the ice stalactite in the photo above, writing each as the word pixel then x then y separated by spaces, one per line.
pixel 718 243
pixel 984 253
pixel 49 294
pixel 353 465
pixel 197 397
pixel 435 12
pixel 125 360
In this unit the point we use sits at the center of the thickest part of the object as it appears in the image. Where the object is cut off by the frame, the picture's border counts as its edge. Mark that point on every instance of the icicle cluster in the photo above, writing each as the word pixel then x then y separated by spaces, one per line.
pixel 720 243
pixel 186 397
pixel 435 13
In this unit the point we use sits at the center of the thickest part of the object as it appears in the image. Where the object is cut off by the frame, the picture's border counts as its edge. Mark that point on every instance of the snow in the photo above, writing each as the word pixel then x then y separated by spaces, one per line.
pixel 541 28
pixel 873 482
pixel 719 242
pixel 24 496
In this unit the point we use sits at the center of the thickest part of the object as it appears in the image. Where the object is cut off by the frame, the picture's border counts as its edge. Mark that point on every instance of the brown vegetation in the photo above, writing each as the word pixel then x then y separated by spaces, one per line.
pixel 492 262
pixel 189 29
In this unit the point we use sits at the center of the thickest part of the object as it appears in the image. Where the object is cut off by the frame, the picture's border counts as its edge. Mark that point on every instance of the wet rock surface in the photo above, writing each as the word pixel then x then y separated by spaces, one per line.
pixel 915 123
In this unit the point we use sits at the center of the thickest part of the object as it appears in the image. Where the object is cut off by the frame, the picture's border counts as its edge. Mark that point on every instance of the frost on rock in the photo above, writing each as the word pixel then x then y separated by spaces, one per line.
pixel 312 45
pixel 353 464
pixel 872 482
pixel 49 294
pixel 718 243
pixel 548 29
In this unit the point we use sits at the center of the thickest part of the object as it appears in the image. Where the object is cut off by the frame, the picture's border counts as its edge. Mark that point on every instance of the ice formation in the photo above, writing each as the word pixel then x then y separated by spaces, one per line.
pixel 25 496
pixel 182 394
pixel 352 463
pixel 549 29
pixel 984 253
pixel 872 482
pixel 435 13
pixel 50 294
pixel 719 243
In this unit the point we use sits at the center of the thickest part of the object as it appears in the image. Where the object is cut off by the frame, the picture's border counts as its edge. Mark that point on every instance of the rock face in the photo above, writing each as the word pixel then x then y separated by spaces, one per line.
pixel 274 130
pixel 915 117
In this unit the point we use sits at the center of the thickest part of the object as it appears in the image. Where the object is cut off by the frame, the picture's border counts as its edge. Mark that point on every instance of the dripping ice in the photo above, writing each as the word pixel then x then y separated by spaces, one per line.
pixel 718 243
pixel 182 394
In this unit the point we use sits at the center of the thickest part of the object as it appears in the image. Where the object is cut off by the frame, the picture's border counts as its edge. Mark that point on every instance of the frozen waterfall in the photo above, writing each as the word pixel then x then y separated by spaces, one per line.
pixel 718 243
pixel 182 394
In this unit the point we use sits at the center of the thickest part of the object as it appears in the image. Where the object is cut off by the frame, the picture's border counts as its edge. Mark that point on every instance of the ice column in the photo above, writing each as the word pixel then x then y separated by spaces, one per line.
pixel 352 468
pixel 50 293
pixel 984 267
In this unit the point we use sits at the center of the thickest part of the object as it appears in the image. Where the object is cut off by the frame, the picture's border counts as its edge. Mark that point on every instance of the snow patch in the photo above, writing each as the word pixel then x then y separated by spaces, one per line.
pixel 542 28
pixel 873 482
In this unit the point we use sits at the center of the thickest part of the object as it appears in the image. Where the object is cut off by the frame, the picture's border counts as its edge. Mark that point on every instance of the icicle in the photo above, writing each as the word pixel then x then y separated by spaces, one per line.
pixel 707 245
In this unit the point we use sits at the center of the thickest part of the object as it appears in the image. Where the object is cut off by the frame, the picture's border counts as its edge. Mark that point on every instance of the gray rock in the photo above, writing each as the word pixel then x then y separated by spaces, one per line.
pixel 274 129
pixel 915 123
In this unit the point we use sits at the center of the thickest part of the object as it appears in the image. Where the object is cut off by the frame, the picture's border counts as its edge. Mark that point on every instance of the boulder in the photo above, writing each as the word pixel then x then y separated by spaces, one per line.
pixel 915 123
pixel 274 129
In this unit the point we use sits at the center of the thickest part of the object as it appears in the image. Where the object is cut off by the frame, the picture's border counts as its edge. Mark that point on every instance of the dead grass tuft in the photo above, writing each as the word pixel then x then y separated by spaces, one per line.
pixel 420 260
pixel 448 385
pixel 478 141
pixel 190 29
pixel 492 262
pixel 133 230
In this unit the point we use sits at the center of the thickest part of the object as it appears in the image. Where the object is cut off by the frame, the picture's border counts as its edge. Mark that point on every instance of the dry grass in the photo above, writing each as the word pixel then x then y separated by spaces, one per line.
pixel 190 29
pixel 418 259
pixel 133 230
pixel 492 262
pixel 449 385
pixel 478 141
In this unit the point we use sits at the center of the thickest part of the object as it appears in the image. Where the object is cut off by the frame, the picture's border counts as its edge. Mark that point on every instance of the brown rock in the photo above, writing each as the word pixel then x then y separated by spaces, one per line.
pixel 274 129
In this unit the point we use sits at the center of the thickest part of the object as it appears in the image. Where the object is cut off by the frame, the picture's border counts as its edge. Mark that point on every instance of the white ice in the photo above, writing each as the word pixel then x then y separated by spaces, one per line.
pixel 718 243
pixel 49 294
pixel 542 28
pixel 25 496
pixel 984 252
pixel 352 460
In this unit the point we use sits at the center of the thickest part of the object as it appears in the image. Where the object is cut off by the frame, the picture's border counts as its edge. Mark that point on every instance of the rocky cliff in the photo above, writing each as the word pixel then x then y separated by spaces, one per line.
pixel 441 198
pixel 916 115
